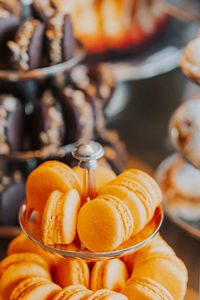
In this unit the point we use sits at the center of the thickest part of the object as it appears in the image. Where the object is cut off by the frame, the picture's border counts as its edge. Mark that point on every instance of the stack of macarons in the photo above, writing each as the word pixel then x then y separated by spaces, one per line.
pixel 122 207
pixel 152 273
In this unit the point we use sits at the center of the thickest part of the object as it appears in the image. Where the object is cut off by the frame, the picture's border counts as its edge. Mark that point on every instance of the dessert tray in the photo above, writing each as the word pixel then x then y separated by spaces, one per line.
pixel 88 153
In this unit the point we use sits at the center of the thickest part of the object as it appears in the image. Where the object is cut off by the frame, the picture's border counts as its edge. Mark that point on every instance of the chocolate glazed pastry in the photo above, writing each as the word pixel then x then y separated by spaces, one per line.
pixel 12 194
pixel 60 38
pixel 27 48
pixel 115 151
pixel 9 22
pixel 79 117
pixel 11 124
pixel 95 80
pixel 46 122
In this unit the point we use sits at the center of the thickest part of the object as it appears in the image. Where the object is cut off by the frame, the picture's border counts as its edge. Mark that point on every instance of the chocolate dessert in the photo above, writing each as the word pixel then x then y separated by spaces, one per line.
pixel 46 122
pixel 11 124
pixel 27 48
pixel 12 194
pixel 60 38
pixel 78 113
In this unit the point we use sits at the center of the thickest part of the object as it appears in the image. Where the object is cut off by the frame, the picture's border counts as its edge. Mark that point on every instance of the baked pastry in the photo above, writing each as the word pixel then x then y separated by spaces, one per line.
pixel 59 218
pixel 78 113
pixel 144 288
pixel 104 223
pixel 12 194
pixel 139 192
pixel 190 63
pixel 72 272
pixel 110 275
pixel 13 6
pixel 11 123
pixel 27 48
pixel 184 130
pixel 77 291
pixel 106 295
pixel 47 122
pixel 60 38
pixel 35 288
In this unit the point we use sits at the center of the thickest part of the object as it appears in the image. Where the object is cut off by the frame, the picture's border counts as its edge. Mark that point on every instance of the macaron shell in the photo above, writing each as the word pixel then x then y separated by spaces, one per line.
pixel 102 176
pixel 22 244
pixel 69 291
pixel 48 177
pixel 172 274
pixel 106 229
pixel 18 272
pixel 106 294
pixel 110 274
pixel 131 200
pixel 72 272
pixel 22 257
pixel 145 289
pixel 35 288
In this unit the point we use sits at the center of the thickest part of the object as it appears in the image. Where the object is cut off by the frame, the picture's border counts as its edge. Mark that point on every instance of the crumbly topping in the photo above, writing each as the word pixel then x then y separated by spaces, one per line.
pixel 20 47
pixel 45 6
pixel 7 105
pixel 52 135
pixel 55 35
pixel 12 6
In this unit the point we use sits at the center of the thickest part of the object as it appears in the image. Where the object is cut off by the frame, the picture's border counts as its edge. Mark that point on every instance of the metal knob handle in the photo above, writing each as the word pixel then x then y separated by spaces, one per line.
pixel 88 153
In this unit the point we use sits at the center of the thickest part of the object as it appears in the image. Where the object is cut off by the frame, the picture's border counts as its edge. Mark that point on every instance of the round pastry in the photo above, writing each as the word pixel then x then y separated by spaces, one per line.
pixel 35 288
pixel 78 113
pixel 12 194
pixel 73 292
pixel 47 122
pixel 27 48
pixel 59 218
pixel 106 294
pixel 190 62
pixel 11 123
pixel 104 223
pixel 184 130
pixel 72 272
pixel 145 289
pixel 110 275
pixel 60 38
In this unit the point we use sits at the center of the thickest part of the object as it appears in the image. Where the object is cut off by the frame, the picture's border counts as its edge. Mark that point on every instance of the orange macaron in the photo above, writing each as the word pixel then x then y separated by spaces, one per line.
pixel 35 288
pixel 139 192
pixel 143 288
pixel 105 294
pixel 18 271
pixel 73 292
pixel 104 223
pixel 110 275
pixel 102 176
pixel 22 244
pixel 71 272
pixel 48 177
pixel 60 217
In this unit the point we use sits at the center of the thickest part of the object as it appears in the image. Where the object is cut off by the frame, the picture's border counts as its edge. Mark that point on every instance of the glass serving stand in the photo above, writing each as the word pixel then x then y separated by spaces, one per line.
pixel 88 154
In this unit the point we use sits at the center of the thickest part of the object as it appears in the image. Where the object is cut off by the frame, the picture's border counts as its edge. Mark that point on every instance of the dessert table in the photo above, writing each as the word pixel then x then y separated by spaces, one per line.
pixel 143 126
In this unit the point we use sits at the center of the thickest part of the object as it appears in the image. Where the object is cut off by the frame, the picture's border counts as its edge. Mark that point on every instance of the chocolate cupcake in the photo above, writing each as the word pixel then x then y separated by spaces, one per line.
pixel 79 116
pixel 184 130
pixel 46 122
pixel 11 124
pixel 27 48
pixel 96 81
pixel 12 194
pixel 60 38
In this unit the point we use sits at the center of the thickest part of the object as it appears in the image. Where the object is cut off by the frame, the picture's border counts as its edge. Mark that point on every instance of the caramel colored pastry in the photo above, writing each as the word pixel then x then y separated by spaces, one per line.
pixel 26 49
pixel 72 272
pixel 106 295
pixel 184 130
pixel 13 6
pixel 145 289
pixel 35 288
pixel 110 275
pixel 73 292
